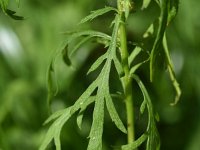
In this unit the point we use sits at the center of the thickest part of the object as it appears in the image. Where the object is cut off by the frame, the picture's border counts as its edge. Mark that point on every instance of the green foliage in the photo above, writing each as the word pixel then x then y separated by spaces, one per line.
pixel 11 13
pixel 153 139
pixel 135 144
pixel 168 11
pixel 100 86
pixel 23 83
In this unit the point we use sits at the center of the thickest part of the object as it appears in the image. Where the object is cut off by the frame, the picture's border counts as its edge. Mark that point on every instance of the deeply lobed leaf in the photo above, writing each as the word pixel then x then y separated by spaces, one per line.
pixel 153 139
pixel 55 129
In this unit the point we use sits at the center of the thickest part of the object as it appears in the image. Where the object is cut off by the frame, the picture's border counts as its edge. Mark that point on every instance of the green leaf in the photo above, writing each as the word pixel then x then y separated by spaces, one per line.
pixel 55 115
pixel 176 86
pixel 92 33
pixel 18 2
pixel 83 108
pixel 143 106
pixel 159 36
pixel 134 54
pixel 145 3
pixel 135 67
pixel 118 67
pixel 66 56
pixel 4 5
pixel 89 35
pixel 168 58
pixel 102 85
pixel 153 140
pixel 52 84
pixel 127 7
pixel 172 10
pixel 12 15
pixel 97 13
pixel 81 100
pixel 113 113
pixel 171 72
pixel 78 45
pixel 136 143
pixel 97 63
pixel 95 142
pixel 149 31
pixel 55 129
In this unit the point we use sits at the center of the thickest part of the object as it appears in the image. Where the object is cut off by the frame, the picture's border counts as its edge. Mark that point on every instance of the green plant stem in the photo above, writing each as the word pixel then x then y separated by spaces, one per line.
pixel 127 81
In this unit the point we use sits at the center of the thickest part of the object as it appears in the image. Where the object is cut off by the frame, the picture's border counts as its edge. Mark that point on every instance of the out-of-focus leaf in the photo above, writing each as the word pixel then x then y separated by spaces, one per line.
pixel 145 3
pixel 12 15
pixel 149 31
pixel 97 13
pixel 66 56
pixel 159 36
pixel 51 83
pixel 4 5
pixel 172 10
pixel 171 72
pixel 153 139
pixel 78 45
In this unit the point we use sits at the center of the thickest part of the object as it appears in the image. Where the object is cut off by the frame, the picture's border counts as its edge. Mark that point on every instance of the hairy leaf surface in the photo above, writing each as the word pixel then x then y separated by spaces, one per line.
pixel 55 129
pixel 113 113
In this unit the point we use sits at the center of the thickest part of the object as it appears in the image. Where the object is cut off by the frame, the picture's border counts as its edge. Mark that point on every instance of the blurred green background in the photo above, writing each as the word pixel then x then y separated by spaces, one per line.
pixel 27 46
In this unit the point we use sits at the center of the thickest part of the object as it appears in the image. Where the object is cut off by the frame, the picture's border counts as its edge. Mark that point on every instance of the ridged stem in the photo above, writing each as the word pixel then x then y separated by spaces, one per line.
pixel 126 81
